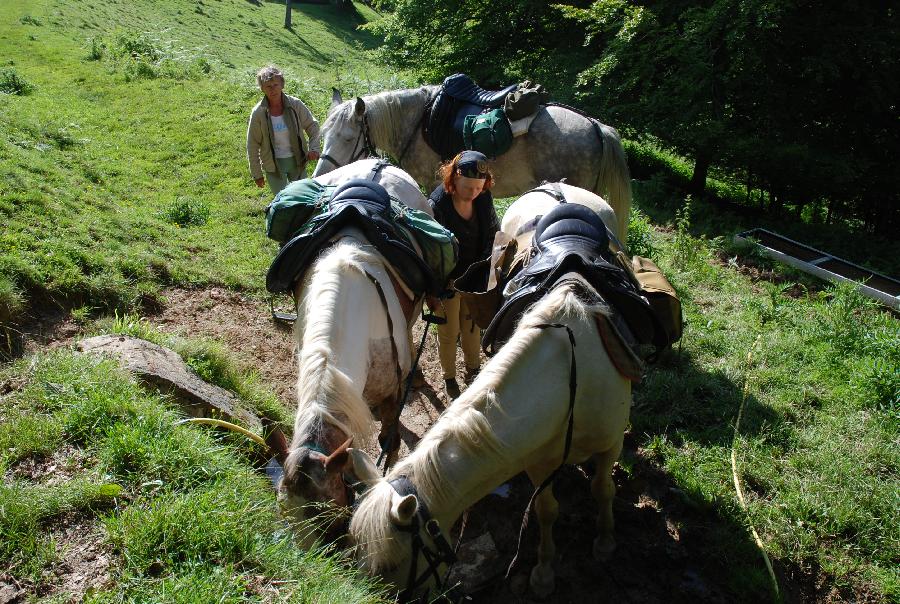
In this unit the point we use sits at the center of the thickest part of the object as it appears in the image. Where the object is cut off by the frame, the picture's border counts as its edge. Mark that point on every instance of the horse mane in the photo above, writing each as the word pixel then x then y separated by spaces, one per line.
pixel 392 104
pixel 463 424
pixel 325 393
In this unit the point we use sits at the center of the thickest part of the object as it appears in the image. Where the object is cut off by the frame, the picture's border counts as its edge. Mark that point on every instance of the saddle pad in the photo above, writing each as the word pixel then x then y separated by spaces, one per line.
pixel 521 126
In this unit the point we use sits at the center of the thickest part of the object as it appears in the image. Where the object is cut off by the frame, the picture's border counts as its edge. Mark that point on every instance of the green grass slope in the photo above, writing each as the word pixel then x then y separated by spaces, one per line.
pixel 122 140
pixel 122 170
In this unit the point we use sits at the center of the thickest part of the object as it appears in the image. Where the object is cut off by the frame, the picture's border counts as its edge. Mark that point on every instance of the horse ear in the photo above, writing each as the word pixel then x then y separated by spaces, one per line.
pixel 338 458
pixel 360 107
pixel 403 508
pixel 360 468
pixel 335 99
pixel 275 439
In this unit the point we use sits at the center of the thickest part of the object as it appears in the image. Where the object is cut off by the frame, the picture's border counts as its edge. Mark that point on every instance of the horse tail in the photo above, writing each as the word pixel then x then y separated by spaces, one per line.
pixel 614 179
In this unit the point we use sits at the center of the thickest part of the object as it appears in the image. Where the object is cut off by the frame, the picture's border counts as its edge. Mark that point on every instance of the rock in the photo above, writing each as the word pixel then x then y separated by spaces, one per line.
pixel 165 370
pixel 477 564
pixel 9 593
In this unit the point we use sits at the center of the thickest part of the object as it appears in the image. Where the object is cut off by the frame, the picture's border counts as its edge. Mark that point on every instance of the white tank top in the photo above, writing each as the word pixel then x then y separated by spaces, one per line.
pixel 282 142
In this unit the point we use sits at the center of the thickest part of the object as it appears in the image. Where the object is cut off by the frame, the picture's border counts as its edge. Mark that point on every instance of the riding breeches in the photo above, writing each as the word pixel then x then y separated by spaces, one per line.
pixel 459 325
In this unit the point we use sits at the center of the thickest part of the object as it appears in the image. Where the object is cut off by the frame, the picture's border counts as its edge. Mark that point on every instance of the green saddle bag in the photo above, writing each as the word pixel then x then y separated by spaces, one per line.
pixel 440 249
pixel 294 206
pixel 489 133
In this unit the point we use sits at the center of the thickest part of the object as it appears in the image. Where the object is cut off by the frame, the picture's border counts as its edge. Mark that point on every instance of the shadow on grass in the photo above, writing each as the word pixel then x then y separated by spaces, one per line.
pixel 682 401
pixel 339 22
pixel 660 196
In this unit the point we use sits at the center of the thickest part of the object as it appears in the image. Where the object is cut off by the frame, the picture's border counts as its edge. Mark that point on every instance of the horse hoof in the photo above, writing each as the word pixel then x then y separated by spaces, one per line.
pixel 603 548
pixel 542 581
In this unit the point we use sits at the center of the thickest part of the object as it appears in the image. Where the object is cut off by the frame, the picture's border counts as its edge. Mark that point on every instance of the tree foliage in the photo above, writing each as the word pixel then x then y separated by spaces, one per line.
pixel 797 99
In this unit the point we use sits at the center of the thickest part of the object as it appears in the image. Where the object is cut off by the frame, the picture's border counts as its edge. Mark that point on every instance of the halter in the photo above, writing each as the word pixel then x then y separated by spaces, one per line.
pixel 362 148
pixel 439 553
pixel 352 489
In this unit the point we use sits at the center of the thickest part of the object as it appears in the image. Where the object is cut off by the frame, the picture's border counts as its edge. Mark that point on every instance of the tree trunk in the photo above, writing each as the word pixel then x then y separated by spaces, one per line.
pixel 287 14
pixel 697 186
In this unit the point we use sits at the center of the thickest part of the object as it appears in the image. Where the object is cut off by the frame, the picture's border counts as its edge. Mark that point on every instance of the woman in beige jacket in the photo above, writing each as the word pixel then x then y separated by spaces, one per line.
pixel 276 149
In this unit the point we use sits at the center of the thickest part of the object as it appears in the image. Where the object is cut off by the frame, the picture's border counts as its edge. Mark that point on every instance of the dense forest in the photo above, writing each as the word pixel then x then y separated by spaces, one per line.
pixel 794 100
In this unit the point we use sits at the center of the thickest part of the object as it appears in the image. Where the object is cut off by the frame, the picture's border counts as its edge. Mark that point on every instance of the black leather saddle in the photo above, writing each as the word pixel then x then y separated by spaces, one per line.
pixel 572 238
pixel 458 97
pixel 363 204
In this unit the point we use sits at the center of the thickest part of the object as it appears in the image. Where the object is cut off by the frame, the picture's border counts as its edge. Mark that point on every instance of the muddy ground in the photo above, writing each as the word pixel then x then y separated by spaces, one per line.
pixel 662 536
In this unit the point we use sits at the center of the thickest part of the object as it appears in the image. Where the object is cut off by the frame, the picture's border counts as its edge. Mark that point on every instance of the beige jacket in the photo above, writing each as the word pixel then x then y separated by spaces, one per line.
pixel 261 152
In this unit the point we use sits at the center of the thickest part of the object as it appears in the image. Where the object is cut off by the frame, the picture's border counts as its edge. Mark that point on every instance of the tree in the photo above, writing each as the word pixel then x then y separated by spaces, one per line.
pixel 801 94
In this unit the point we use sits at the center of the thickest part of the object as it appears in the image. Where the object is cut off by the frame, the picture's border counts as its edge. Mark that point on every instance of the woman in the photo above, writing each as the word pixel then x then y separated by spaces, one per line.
pixel 463 204
pixel 275 144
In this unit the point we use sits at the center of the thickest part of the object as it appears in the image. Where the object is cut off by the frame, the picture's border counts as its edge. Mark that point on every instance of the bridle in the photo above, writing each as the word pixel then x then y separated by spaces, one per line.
pixel 362 148
pixel 437 553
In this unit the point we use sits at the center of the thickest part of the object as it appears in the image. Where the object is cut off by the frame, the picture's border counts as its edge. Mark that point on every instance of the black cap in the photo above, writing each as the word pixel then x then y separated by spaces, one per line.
pixel 472 164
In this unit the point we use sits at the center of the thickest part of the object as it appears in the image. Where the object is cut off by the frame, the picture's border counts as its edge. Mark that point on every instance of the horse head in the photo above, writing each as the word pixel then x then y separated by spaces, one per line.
pixel 389 531
pixel 314 486
pixel 345 135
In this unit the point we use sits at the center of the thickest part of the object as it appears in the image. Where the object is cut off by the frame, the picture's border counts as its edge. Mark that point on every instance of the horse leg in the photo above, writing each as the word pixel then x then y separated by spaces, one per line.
pixel 604 490
pixel 546 508
pixel 389 425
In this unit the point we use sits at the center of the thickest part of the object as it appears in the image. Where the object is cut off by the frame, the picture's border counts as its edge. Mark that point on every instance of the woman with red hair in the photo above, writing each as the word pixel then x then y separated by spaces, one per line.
pixel 463 204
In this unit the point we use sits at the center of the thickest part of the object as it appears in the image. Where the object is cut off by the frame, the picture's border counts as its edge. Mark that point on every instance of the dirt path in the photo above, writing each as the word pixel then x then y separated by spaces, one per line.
pixel 663 553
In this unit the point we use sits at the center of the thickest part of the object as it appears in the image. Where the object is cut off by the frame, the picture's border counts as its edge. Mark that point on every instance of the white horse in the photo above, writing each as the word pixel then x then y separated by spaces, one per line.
pixel 354 350
pixel 514 417
pixel 560 144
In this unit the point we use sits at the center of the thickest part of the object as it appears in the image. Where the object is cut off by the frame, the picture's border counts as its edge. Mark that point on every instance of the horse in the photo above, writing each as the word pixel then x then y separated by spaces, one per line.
pixel 353 333
pixel 560 144
pixel 513 417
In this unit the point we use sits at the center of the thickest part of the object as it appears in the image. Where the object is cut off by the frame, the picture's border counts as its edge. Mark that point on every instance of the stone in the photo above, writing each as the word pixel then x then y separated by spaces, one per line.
pixel 164 369
pixel 478 563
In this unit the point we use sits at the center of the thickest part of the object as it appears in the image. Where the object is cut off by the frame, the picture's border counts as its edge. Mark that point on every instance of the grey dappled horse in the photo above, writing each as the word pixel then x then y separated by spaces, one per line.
pixel 561 144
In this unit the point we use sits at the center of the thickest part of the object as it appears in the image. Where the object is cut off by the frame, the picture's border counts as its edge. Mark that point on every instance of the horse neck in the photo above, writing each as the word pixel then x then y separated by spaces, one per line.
pixel 524 414
pixel 395 116
pixel 336 310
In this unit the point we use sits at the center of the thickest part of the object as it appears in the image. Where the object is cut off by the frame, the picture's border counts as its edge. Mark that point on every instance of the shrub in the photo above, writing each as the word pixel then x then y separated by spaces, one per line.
pixel 135 45
pixel 98 49
pixel 12 83
pixel 640 241
pixel 186 211
pixel 29 20
pixel 686 250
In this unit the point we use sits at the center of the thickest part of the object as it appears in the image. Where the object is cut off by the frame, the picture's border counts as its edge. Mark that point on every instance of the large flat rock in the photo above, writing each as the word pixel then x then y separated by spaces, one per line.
pixel 165 370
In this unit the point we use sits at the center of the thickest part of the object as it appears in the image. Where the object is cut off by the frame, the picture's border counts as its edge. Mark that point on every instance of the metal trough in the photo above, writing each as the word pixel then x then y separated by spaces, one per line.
pixel 821 264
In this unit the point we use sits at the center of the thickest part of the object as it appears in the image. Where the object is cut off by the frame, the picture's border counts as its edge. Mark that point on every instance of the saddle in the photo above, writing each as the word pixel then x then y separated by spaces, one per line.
pixel 363 204
pixel 572 239
pixel 458 97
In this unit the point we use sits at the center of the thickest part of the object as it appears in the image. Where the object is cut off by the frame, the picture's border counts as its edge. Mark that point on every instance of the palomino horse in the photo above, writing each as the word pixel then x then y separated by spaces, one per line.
pixel 561 144
pixel 353 333
pixel 514 417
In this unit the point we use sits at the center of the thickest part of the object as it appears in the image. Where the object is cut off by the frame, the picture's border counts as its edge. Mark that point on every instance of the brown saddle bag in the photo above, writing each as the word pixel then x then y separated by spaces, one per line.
pixel 661 295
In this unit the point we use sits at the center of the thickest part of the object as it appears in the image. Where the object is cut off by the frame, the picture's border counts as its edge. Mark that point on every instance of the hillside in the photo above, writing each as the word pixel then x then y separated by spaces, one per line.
pixel 127 207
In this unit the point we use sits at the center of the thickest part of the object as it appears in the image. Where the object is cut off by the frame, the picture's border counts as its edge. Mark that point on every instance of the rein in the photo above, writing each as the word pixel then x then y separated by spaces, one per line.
pixel 395 426
pixel 573 385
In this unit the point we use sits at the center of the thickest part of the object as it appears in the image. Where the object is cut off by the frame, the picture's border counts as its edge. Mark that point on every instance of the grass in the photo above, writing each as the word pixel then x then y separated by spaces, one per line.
pixel 124 167
pixel 187 518
pixel 122 172
pixel 818 446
